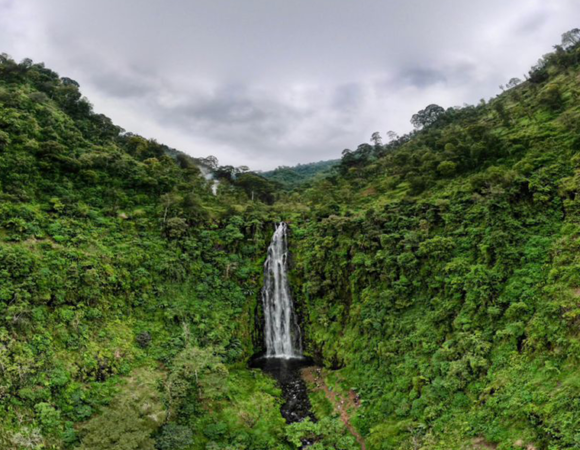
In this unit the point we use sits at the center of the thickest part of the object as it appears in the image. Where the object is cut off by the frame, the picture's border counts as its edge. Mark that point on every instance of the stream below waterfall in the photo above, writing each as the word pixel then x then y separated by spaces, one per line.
pixel 287 373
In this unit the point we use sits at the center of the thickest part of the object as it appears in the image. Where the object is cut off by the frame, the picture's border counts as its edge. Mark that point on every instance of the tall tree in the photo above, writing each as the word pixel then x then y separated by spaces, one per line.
pixel 427 116
pixel 376 139
pixel 571 38
pixel 392 135
pixel 513 83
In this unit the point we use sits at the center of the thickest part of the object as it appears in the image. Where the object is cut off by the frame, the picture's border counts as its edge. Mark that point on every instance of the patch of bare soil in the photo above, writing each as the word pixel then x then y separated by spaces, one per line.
pixel 343 406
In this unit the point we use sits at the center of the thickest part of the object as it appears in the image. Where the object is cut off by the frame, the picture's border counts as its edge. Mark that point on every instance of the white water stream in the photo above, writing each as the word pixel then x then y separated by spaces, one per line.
pixel 282 333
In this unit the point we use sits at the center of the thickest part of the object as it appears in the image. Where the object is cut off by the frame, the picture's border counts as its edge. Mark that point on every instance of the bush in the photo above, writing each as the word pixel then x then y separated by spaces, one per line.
pixel 143 339
pixel 447 168
pixel 176 228
pixel 174 437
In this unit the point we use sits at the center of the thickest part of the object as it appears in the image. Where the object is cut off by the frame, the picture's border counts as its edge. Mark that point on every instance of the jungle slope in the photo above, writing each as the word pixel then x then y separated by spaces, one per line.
pixel 127 290
pixel 293 177
pixel 439 275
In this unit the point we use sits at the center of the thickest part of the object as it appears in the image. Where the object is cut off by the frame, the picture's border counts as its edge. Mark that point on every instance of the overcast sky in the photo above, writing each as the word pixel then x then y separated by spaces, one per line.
pixel 278 82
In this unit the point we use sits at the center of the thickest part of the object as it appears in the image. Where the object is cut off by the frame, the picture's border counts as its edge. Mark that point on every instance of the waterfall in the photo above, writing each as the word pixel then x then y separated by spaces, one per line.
pixel 282 333
pixel 207 173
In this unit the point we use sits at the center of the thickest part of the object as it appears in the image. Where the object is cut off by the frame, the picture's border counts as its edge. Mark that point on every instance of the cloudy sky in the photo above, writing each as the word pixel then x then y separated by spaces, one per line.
pixel 278 82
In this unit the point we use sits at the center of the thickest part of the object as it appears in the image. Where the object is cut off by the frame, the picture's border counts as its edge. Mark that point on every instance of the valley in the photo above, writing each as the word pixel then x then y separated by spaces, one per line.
pixel 416 294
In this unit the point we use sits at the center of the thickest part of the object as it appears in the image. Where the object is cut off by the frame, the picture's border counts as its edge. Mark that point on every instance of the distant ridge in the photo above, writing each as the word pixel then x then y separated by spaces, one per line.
pixel 292 177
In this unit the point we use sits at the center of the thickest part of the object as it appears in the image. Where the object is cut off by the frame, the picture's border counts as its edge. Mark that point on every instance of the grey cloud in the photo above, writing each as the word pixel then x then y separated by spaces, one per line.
pixel 280 82
pixel 348 96
pixel 423 77
pixel 234 117
pixel 231 104
pixel 531 23
pixel 121 86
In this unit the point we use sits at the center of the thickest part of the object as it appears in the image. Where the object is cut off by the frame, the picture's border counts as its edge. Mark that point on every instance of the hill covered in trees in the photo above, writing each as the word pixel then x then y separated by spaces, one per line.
pixel 439 273
pixel 126 287
pixel 292 177
pixel 435 276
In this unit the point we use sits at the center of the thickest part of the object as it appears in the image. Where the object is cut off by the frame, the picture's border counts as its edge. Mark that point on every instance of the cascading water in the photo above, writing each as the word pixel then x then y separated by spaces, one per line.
pixel 284 359
pixel 281 331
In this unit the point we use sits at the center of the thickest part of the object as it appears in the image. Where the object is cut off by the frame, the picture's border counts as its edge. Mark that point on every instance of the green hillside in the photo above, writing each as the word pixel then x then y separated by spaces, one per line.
pixel 436 276
pixel 293 177
pixel 439 274
pixel 113 257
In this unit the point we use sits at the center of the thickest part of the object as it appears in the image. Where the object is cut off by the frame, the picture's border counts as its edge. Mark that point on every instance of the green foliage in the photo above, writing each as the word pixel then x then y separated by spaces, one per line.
pixel 114 254
pixel 249 418
pixel 128 422
pixel 174 437
pixel 437 275
pixel 326 434
pixel 294 177
pixel 442 285
pixel 196 376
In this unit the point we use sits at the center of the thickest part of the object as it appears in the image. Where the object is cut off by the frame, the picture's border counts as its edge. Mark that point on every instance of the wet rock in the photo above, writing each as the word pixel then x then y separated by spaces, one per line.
pixel 297 406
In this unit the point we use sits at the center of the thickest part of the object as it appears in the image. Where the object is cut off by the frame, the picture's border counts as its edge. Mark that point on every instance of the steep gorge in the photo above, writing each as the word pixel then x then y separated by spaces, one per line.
pixel 435 276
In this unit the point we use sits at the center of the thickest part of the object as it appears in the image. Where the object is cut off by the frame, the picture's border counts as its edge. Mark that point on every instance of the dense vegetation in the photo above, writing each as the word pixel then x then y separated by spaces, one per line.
pixel 436 275
pixel 296 176
pixel 439 272
pixel 115 256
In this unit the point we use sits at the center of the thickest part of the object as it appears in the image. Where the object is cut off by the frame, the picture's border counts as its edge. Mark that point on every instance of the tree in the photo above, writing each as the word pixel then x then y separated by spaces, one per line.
pixel 446 168
pixel 392 135
pixel 328 434
pixel 539 72
pixel 69 82
pixel 513 83
pixel 376 139
pixel 176 228
pixel 168 201
pixel 174 437
pixel 256 186
pixel 131 418
pixel 227 172
pixel 427 117
pixel 358 158
pixel 185 161
pixel 571 38
pixel 501 111
pixel 26 63
pixel 197 375
pixel 551 97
